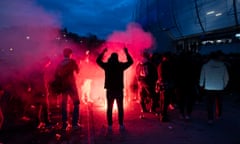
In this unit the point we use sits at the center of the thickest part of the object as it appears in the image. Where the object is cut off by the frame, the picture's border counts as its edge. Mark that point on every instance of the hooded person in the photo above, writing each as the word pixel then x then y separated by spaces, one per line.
pixel 114 85
pixel 214 79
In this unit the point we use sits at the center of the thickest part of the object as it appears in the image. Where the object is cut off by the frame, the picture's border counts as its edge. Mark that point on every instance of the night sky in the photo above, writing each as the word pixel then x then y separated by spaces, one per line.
pixel 99 17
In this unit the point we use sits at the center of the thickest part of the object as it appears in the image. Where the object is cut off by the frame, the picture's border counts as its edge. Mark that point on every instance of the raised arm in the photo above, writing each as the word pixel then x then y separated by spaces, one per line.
pixel 100 57
pixel 129 58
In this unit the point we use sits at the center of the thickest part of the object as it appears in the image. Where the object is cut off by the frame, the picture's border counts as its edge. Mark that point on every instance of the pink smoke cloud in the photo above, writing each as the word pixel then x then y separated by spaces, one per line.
pixel 134 38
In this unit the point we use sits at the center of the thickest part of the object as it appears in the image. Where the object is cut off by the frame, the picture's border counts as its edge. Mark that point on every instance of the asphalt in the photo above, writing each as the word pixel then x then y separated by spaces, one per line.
pixel 149 130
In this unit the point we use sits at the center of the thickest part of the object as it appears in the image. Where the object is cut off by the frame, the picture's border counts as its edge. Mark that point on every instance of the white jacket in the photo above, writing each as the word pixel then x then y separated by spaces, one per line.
pixel 214 75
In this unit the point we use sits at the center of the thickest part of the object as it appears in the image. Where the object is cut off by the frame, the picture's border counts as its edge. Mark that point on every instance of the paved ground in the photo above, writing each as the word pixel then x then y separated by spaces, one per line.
pixel 138 131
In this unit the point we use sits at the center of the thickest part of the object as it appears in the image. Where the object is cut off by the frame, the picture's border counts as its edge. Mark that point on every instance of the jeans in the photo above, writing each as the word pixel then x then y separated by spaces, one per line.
pixel 214 97
pixel 111 96
pixel 75 99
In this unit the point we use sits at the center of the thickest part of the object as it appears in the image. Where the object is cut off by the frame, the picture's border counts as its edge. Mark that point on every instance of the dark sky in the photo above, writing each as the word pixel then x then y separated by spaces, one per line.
pixel 100 17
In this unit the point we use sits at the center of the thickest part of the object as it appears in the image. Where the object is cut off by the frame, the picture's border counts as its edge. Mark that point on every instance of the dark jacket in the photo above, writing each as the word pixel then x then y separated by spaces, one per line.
pixel 65 73
pixel 114 71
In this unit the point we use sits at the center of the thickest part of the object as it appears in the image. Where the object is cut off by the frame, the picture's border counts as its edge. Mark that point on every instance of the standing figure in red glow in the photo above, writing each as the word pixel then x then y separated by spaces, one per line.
pixel 38 88
pixel 114 73
pixel 146 73
pixel 166 85
pixel 65 74
pixel 186 84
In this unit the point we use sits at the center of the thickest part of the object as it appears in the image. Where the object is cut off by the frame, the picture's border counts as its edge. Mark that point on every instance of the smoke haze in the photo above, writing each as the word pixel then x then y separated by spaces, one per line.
pixel 28 34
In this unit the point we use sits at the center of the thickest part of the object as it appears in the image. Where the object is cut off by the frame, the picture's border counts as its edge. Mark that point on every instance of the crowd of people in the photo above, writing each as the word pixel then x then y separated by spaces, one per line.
pixel 163 80
pixel 180 81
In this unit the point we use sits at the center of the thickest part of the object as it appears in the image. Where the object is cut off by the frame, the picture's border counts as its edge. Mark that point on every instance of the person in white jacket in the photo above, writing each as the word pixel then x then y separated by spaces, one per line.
pixel 214 78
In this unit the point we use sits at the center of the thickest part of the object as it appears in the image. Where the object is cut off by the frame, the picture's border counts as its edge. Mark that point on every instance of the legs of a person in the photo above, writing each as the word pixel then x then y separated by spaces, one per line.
pixel 64 108
pixel 181 100
pixel 210 104
pixel 218 99
pixel 39 112
pixel 75 114
pixel 45 112
pixel 190 97
pixel 75 99
pixel 161 101
pixel 143 94
pixel 189 105
pixel 173 97
pixel 167 98
pixel 110 101
pixel 164 102
pixel 120 108
pixel 38 103
pixel 154 98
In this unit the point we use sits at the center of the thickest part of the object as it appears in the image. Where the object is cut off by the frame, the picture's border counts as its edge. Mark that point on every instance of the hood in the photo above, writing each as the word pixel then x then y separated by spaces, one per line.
pixel 215 64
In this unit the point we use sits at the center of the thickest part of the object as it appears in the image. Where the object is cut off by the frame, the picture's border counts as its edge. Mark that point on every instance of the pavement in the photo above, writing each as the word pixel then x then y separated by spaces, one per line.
pixel 149 130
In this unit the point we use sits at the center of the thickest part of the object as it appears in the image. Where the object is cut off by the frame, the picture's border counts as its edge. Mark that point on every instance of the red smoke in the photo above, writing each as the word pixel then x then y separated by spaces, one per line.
pixel 134 38
pixel 137 41
pixel 32 34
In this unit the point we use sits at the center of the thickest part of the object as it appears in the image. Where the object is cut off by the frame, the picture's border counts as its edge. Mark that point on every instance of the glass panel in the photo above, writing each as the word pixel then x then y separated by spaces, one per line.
pixel 216 14
pixel 238 10
pixel 165 16
pixel 186 17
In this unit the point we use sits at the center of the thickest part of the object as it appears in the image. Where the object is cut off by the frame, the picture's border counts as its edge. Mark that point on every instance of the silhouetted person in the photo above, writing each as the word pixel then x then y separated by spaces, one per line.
pixel 166 86
pixel 214 79
pixel 186 84
pixel 146 73
pixel 65 73
pixel 38 88
pixel 114 74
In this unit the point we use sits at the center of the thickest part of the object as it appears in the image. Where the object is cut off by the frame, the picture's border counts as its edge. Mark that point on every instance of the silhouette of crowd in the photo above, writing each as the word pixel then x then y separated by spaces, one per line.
pixel 165 81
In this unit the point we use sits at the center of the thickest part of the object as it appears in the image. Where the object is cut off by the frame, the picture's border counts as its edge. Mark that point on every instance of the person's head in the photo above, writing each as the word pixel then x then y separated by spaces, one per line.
pixel 67 52
pixel 113 58
pixel 215 55
pixel 145 54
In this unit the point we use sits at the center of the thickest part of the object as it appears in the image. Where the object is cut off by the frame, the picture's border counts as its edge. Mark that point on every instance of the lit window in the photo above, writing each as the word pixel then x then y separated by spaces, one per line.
pixel 218 14
pixel 210 12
